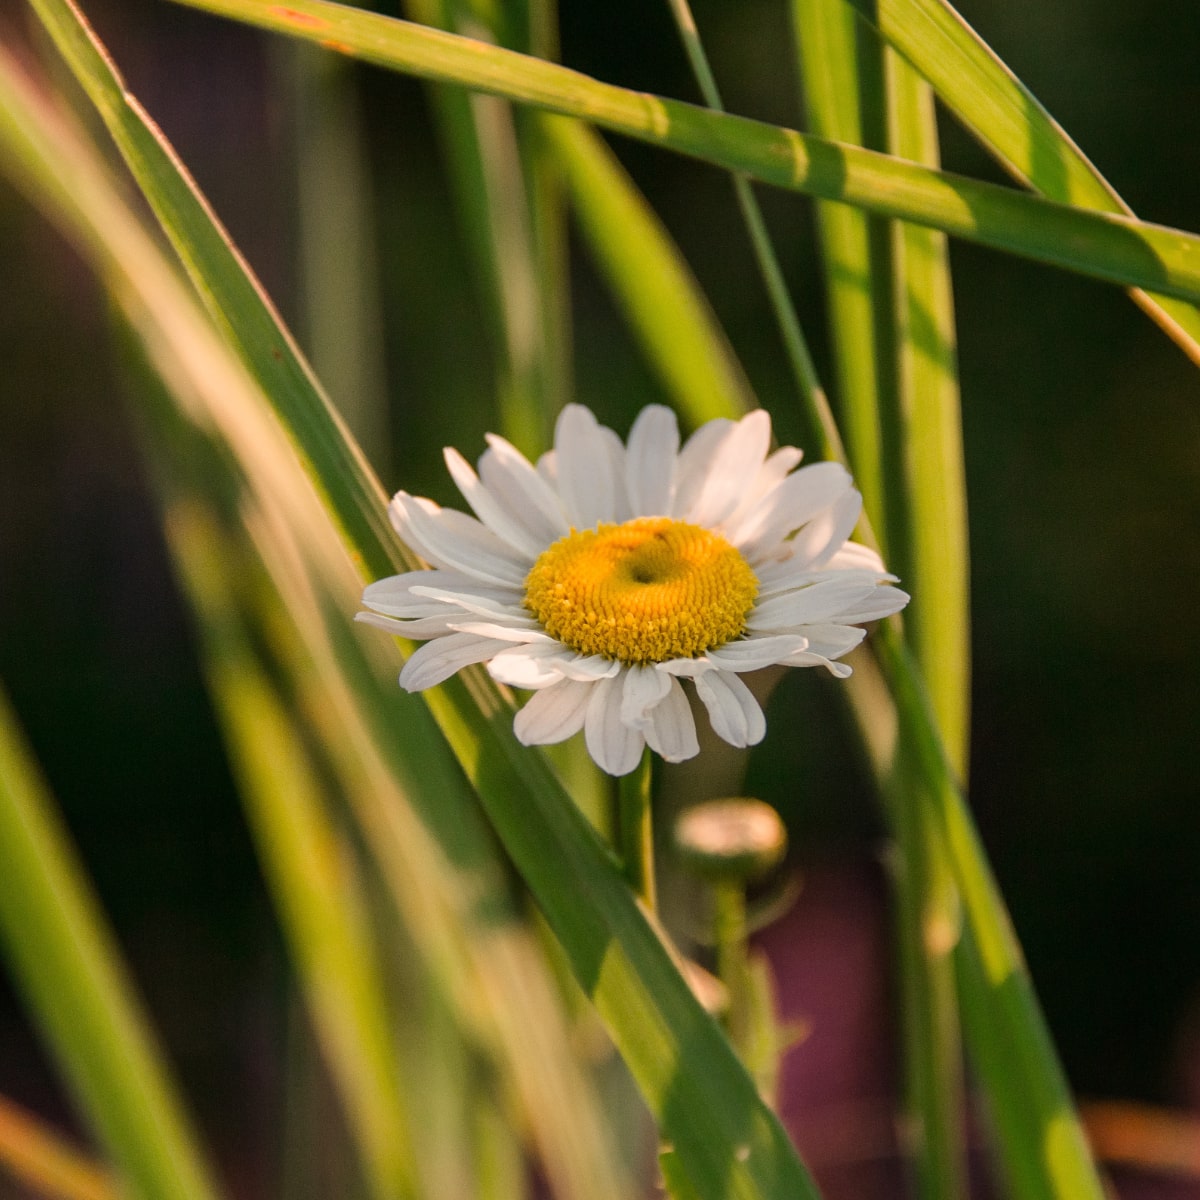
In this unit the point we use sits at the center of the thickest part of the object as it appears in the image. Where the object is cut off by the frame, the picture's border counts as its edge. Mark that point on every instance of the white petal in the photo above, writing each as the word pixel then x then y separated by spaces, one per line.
pixel 786 576
pixel 589 667
pixel 733 467
pixel 883 603
pixel 822 602
pixel 553 714
pixel 488 509
pixel 691 468
pixel 614 746
pixel 615 449
pixel 387 624
pixel 688 668
pixel 547 471
pixel 671 730
pixel 436 661
pixel 535 665
pixel 735 715
pixel 530 632
pixel 585 480
pixel 823 536
pixel 770 475
pixel 754 653
pixel 527 495
pixel 457 542
pixel 644 688
pixel 799 498
pixel 508 607
pixel 832 641
pixel 807 659
pixel 397 595
pixel 854 556
pixel 650 461
pixel 419 629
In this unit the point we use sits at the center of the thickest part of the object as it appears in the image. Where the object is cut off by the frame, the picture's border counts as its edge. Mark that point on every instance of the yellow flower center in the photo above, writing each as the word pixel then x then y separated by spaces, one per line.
pixel 649 590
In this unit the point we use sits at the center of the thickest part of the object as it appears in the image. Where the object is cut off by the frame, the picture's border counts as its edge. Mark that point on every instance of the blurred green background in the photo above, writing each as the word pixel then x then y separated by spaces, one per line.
pixel 1082 428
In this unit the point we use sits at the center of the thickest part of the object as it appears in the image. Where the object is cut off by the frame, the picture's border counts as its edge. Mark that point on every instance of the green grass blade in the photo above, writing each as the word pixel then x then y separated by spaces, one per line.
pixel 993 103
pixel 728 1141
pixel 1102 245
pixel 66 963
pixel 653 285
pixel 854 257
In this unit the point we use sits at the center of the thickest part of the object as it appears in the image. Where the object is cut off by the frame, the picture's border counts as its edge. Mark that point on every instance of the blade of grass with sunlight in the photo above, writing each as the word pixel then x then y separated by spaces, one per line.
pixel 1102 245
pixel 1045 1153
pixel 704 1101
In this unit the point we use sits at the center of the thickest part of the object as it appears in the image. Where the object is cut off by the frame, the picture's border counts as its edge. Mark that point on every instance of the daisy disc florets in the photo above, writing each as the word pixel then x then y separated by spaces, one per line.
pixel 608 572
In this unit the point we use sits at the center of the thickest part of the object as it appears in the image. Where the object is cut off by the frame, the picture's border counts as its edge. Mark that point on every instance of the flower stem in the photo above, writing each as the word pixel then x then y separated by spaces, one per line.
pixel 636 832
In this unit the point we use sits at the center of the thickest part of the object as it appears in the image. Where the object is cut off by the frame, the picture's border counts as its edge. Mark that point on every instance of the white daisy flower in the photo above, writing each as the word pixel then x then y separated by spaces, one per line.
pixel 608 573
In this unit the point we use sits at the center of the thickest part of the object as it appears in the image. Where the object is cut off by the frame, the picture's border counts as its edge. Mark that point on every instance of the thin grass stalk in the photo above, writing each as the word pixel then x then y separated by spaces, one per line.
pixel 66 964
pixel 828 58
pixel 849 99
pixel 819 433
pixel 933 555
pixel 1010 123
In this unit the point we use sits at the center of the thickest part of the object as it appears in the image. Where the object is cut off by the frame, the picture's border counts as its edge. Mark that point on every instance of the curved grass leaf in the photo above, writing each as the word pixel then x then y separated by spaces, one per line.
pixel 1118 249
